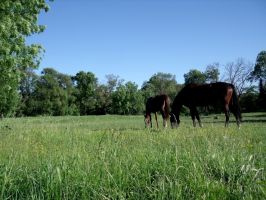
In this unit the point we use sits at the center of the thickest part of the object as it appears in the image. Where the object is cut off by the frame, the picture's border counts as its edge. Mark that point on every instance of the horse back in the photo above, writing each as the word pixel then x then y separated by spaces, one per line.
pixel 157 103
pixel 205 94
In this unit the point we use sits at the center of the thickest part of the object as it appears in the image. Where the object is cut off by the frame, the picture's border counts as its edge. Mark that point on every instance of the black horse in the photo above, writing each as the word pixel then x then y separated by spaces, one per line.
pixel 216 94
pixel 153 105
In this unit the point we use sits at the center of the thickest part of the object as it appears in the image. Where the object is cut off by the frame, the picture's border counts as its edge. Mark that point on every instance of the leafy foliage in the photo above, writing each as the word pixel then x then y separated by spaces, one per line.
pixel 27 89
pixel 259 71
pixel 195 76
pixel 249 100
pixel 54 94
pixel 86 83
pixel 18 20
pixel 212 73
pixel 127 99
pixel 161 83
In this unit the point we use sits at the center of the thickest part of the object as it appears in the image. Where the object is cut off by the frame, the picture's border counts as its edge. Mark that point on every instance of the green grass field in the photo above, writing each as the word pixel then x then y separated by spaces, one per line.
pixel 115 157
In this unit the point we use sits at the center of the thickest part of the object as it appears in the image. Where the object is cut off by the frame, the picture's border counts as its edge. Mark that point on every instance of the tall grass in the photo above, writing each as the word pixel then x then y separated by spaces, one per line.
pixel 114 157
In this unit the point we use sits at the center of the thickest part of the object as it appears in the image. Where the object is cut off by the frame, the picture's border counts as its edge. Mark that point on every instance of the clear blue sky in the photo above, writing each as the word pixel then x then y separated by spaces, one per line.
pixel 135 39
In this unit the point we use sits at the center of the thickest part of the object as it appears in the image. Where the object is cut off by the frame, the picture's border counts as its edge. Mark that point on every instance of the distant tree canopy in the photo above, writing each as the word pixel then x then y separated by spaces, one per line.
pixel 160 83
pixel 54 93
pixel 18 20
pixel 85 83
pixel 195 76
pixel 127 99
pixel 249 100
pixel 259 73
pixel 210 75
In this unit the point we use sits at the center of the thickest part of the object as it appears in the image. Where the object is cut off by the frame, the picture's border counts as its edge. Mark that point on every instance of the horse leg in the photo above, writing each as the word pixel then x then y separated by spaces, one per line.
pixel 227 114
pixel 192 114
pixel 164 118
pixel 197 116
pixel 164 122
pixel 151 120
pixel 236 112
pixel 156 119
pixel 237 117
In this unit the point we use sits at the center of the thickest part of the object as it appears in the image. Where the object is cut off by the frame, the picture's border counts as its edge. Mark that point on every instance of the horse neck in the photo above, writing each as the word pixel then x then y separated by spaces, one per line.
pixel 176 107
pixel 176 111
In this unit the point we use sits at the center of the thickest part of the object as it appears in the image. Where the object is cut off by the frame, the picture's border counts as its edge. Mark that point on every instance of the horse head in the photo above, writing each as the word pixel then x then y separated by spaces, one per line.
pixel 174 121
pixel 147 120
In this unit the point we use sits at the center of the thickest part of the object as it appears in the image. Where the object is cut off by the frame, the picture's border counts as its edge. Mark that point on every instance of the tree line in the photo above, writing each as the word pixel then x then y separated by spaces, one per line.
pixel 25 93
pixel 57 94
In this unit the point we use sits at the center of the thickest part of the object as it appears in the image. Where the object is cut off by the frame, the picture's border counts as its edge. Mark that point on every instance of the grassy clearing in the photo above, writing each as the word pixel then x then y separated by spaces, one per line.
pixel 114 157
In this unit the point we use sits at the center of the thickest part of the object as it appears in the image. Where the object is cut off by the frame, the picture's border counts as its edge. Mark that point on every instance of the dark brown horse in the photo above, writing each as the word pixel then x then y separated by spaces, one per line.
pixel 153 105
pixel 216 94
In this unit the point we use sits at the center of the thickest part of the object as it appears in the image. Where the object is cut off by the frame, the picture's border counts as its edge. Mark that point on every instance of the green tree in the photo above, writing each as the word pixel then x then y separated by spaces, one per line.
pixel 54 94
pixel 262 95
pixel 27 89
pixel 104 100
pixel 86 84
pixel 18 20
pixel 195 76
pixel 127 99
pixel 248 100
pixel 212 73
pixel 160 83
pixel 135 98
pixel 259 73
pixel 112 82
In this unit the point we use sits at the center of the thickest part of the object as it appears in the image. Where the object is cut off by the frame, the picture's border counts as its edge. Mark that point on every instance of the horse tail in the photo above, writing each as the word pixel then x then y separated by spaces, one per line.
pixel 167 106
pixel 234 103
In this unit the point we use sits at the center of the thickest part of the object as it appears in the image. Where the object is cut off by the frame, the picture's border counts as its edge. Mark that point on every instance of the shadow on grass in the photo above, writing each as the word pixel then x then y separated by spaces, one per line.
pixel 254 121
pixel 233 121
pixel 258 115
pixel 256 118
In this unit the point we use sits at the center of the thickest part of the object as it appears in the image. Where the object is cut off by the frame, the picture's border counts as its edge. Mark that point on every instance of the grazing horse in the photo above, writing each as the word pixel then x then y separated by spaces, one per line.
pixel 216 94
pixel 153 105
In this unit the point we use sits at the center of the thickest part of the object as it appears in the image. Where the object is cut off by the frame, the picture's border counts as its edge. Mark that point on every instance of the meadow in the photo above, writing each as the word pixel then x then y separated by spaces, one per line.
pixel 115 157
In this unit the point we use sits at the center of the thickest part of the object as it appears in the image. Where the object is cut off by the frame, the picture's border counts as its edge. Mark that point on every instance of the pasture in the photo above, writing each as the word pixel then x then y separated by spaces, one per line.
pixel 115 157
